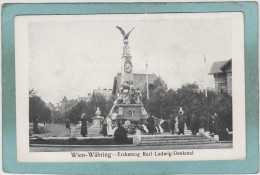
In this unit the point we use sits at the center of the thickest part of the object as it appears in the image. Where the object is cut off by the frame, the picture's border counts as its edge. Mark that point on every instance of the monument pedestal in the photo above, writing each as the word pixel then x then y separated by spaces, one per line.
pixel 97 124
pixel 135 113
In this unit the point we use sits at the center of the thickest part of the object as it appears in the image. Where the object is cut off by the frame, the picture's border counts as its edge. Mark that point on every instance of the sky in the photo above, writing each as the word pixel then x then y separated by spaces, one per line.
pixel 71 56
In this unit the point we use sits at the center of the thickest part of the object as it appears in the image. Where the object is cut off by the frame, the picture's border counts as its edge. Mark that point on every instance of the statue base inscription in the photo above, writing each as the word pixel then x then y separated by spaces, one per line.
pixel 135 113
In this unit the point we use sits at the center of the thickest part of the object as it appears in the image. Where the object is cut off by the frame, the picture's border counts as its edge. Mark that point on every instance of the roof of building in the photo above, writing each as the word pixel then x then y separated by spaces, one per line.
pixel 217 67
pixel 139 79
pixel 223 67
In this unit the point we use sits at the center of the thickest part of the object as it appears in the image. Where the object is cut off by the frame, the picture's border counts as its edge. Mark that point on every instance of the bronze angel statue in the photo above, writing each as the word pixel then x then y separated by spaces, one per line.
pixel 123 32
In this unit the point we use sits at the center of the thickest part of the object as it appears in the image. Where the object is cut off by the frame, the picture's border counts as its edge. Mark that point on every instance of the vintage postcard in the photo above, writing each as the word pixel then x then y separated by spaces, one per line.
pixel 130 87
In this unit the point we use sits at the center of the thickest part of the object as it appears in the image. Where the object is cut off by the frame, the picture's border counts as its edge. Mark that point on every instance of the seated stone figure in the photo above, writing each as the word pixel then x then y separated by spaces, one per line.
pixel 119 99
pixel 139 95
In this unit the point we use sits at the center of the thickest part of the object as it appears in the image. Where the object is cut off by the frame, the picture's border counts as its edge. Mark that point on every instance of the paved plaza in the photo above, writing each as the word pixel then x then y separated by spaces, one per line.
pixel 68 148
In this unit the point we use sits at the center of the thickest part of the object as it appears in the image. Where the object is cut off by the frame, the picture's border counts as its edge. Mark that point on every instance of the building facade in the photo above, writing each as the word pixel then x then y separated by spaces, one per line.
pixel 222 73
pixel 140 81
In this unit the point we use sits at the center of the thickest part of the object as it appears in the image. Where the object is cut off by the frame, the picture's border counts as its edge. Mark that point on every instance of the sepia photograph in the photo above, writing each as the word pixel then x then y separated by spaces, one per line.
pixel 130 87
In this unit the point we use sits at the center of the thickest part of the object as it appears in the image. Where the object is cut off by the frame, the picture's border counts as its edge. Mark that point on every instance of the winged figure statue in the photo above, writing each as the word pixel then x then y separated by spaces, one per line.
pixel 123 32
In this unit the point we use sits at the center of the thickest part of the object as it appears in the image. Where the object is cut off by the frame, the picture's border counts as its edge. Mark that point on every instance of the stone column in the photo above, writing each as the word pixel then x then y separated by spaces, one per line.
pixel 127 65
pixel 97 119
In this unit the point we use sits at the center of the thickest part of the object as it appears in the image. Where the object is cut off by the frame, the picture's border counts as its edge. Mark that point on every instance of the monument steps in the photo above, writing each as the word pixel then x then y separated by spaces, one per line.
pixel 179 138
pixel 88 135
pixel 175 140
pixel 181 143
pixel 187 132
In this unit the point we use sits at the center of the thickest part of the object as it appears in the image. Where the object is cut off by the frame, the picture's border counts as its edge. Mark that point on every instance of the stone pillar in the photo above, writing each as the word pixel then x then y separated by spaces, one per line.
pixel 216 137
pixel 201 131
pixel 97 120
pixel 127 66
pixel 138 137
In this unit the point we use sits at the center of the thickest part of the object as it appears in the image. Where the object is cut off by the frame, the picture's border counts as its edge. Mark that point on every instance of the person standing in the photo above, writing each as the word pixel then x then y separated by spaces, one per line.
pixel 120 134
pixel 211 124
pixel 181 122
pixel 176 125
pixel 35 124
pixel 68 125
pixel 84 127
pixel 194 124
pixel 104 126
pixel 217 125
pixel 151 127
pixel 109 126
pixel 172 123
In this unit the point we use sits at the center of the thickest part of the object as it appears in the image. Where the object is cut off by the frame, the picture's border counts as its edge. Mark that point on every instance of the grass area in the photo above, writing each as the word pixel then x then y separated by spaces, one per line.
pixel 59 130
pixel 53 130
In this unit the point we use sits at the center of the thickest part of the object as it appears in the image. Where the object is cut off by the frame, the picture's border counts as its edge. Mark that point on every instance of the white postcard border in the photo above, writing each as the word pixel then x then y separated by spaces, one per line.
pixel 238 152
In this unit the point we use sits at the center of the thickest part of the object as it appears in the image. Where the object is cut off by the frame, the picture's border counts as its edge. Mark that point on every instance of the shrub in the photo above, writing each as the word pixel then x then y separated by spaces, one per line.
pixel 120 135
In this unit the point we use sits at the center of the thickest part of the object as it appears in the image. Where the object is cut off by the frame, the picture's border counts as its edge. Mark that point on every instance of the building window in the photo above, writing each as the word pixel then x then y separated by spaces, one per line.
pixel 223 88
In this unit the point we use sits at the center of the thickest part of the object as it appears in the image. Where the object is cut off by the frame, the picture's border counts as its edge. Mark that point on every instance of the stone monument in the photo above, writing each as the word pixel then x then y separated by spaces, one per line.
pixel 128 105
pixel 97 120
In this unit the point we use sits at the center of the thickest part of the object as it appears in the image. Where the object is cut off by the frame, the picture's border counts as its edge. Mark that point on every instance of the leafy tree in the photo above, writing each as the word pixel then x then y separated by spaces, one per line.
pixel 171 105
pixel 45 114
pixel 162 103
pixel 222 105
pixel 103 103
pixel 76 111
pixel 58 117
pixel 89 108
pixel 156 104
pixel 188 98
pixel 38 110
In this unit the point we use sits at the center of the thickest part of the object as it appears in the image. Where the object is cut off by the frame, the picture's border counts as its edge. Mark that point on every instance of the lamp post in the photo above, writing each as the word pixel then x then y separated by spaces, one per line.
pixel 147 84
pixel 147 88
pixel 204 76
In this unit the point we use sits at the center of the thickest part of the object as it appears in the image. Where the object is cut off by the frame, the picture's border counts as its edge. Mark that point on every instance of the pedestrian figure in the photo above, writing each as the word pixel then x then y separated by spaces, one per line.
pixel 120 134
pixel 172 123
pixel 139 95
pixel 211 124
pixel 84 127
pixel 150 125
pixel 104 126
pixel 181 122
pixel 194 124
pixel 68 125
pixel 35 125
pixel 176 130
pixel 216 124
pixel 109 126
